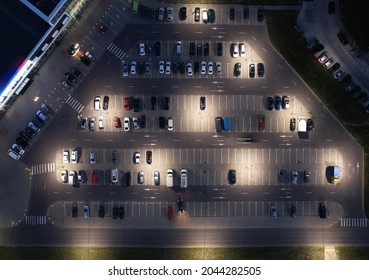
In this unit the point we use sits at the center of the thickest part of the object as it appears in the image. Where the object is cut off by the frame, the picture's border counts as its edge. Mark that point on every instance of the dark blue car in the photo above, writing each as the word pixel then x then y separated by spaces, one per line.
pixel 278 103
pixel 260 69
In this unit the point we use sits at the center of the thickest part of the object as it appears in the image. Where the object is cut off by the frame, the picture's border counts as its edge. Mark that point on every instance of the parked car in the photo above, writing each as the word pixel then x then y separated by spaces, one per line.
pixel 292 124
pixel 252 70
pixel 232 176
pixel 270 103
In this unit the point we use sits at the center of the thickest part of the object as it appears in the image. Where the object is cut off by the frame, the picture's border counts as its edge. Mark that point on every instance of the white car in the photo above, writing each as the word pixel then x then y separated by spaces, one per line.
pixel 74 157
pixel 219 68
pixel 294 177
pixel 101 122
pixel 97 106
pixel 64 176
pixel 142 49
pixel 169 14
pixel 189 69
pixel 114 176
pixel 205 15
pixel 168 65
pixel 127 124
pixel 135 123
pixel 328 63
pixel 133 67
pixel 137 158
pixel 161 67
pixel 65 156
pixel 203 67
pixel 323 57
pixel 242 50
pixel 170 124
pixel 210 68
pixel 161 14
pixel 234 50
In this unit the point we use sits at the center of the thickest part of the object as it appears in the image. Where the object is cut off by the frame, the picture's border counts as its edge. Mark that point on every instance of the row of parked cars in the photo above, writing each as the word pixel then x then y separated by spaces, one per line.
pixel 22 141
pixel 117 211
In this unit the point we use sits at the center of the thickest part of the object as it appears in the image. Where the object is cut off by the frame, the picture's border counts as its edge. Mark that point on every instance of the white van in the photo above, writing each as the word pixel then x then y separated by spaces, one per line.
pixel 72 178
pixel 170 178
pixel 97 103
pixel 13 154
pixel 184 178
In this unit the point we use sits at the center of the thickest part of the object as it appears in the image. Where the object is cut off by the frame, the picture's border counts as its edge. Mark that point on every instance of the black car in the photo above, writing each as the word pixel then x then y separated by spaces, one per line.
pixel 121 212
pixel 180 204
pixel 246 14
pixel 101 211
pixel 153 102
pixel 21 142
pixel 166 103
pixel 143 121
pixel 114 156
pixel 252 70
pixel 192 49
pixel 175 67
pixel 232 176
pixel 331 7
pixel 115 212
pixel 199 50
pixel 334 68
pixel 182 67
pixel 270 103
pixel 232 14
pixel 293 211
pixel 76 72
pixel 310 125
pixel 346 80
pixel 317 48
pixel 202 103
pixel 196 67
pixel 260 69
pixel 237 69
pixel 153 14
pixel 211 15
pixel 149 157
pixel 74 211
pixel 162 122
pixel 220 49
pixel 106 103
pixel 85 60
pixel 260 14
pixel 136 105
pixel 206 49
pixel 306 177
pixel 183 13
pixel 128 178
pixel 157 49
pixel 292 124
pixel 342 38
pixel 197 14
pixel 140 68
pixel 322 211
pixel 70 77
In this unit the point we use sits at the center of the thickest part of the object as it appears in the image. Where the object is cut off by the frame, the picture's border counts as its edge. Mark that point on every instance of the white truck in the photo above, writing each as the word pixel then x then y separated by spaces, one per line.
pixel 302 128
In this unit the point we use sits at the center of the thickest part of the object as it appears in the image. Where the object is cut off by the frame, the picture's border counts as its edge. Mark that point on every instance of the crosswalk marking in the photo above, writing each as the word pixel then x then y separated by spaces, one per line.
pixel 74 104
pixel 35 220
pixel 43 168
pixel 354 222
pixel 116 51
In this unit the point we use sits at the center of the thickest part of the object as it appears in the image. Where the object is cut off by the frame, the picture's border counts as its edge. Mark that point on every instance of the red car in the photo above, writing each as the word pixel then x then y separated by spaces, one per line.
pixel 116 122
pixel 127 104
pixel 94 176
pixel 170 213
pixel 261 123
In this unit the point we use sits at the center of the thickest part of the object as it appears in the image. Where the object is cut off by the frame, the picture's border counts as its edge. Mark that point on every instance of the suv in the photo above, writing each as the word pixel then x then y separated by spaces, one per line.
pixel 149 157
pixel 285 102
pixel 232 176
pixel 322 211
pixel 234 50
pixel 97 103
pixel 106 103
